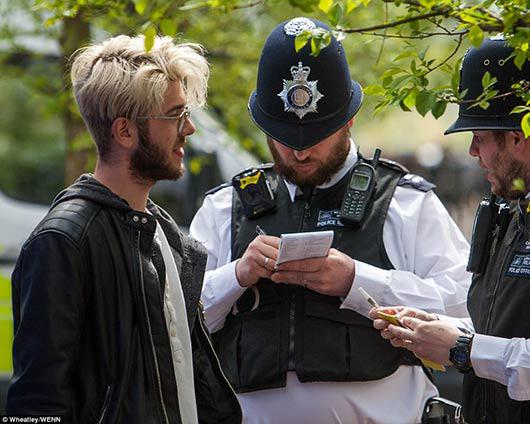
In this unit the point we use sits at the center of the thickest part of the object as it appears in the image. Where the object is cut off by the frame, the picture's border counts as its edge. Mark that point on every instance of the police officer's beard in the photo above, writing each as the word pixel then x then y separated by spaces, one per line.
pixel 327 167
pixel 506 171
pixel 149 163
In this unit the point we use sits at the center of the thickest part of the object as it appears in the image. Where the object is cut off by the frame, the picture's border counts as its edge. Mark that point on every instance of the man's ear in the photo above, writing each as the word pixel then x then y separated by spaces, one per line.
pixel 125 133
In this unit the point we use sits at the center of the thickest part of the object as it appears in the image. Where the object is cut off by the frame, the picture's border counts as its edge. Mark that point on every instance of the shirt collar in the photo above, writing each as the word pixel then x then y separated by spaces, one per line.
pixel 343 170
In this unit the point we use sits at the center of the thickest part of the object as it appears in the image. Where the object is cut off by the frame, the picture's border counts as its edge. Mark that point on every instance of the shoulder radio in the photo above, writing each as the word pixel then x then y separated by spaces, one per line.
pixel 359 191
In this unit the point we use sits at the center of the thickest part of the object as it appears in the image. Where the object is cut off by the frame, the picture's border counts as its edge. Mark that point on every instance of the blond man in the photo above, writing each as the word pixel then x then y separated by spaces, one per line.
pixel 106 289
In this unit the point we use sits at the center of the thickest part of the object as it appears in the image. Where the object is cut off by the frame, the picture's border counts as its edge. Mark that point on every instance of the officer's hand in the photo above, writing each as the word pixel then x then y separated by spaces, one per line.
pixel 428 339
pixel 257 261
pixel 331 275
pixel 399 312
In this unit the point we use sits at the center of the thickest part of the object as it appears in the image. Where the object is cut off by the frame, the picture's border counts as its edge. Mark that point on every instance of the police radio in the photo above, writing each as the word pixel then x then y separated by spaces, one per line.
pixel 254 191
pixel 482 237
pixel 359 191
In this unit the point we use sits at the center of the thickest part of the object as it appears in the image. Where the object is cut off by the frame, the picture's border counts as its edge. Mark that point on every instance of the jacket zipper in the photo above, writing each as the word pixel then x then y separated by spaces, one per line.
pixel 212 350
pixel 488 320
pixel 105 405
pixel 291 364
pixel 157 370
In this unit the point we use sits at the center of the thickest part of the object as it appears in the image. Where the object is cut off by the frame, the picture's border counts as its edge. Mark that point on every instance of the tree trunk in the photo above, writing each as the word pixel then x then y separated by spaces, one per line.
pixel 75 34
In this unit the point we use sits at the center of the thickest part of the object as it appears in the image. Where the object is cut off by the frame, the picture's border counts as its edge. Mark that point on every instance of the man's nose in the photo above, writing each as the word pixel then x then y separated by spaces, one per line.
pixel 473 147
pixel 301 155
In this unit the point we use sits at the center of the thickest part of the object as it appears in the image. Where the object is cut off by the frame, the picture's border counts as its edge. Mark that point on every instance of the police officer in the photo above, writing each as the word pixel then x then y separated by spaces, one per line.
pixel 496 359
pixel 295 340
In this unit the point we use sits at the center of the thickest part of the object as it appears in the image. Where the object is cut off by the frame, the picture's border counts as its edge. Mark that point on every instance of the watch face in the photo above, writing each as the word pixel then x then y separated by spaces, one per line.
pixel 460 356
pixel 460 353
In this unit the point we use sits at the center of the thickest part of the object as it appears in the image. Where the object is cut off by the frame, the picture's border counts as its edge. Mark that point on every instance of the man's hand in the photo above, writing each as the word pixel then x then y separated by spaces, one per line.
pixel 331 275
pixel 399 312
pixel 428 339
pixel 257 261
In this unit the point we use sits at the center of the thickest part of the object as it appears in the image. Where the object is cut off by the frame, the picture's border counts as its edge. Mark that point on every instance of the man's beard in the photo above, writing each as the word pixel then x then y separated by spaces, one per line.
pixel 149 163
pixel 506 171
pixel 328 166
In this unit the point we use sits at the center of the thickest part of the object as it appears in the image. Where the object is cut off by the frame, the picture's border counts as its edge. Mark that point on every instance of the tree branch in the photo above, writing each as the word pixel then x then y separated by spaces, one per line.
pixel 394 23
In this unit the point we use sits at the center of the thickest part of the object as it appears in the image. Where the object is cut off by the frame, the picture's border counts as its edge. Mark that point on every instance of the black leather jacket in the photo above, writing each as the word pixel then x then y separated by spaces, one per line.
pixel 91 342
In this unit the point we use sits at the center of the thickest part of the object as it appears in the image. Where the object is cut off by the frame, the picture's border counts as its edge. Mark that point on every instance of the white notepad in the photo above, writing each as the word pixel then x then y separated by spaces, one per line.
pixel 295 246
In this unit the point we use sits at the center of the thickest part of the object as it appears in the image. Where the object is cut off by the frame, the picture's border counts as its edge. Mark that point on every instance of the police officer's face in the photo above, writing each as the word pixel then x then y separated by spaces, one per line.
pixel 499 157
pixel 313 166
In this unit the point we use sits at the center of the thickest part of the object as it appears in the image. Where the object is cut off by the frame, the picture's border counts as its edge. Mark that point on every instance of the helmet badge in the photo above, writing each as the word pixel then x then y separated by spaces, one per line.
pixel 298 25
pixel 300 95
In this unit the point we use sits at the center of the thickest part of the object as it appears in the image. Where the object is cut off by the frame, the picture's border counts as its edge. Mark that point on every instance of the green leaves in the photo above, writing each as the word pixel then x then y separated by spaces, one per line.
pixel 149 41
pixel 423 102
pixel 518 185
pixel 319 39
pixel 525 124
pixel 301 40
pixel 325 5
pixel 141 6
pixel 476 35
pixel 374 90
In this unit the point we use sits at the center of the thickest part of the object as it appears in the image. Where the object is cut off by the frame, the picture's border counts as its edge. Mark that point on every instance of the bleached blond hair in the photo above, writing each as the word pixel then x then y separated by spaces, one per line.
pixel 119 78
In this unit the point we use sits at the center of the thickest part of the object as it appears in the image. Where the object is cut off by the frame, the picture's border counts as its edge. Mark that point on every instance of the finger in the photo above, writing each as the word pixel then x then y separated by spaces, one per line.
pixel 385 334
pixel 389 310
pixel 394 341
pixel 406 312
pixel 299 278
pixel 269 240
pixel 307 265
pixel 380 324
pixel 265 251
pixel 411 322
pixel 401 333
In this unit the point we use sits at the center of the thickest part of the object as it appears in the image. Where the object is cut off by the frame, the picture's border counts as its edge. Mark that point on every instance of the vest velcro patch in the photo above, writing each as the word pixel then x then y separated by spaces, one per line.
pixel 520 266
pixel 329 219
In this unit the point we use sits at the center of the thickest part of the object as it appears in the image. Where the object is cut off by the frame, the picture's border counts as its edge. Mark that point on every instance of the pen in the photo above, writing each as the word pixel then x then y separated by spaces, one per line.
pixel 260 231
pixel 368 298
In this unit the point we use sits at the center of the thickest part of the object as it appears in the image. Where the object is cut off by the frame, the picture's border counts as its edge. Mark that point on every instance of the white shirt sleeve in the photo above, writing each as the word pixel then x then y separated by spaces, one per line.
pixel 429 254
pixel 506 361
pixel 212 227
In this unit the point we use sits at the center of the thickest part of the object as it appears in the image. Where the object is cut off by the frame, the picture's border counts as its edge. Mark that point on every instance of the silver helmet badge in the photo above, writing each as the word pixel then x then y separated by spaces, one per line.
pixel 300 95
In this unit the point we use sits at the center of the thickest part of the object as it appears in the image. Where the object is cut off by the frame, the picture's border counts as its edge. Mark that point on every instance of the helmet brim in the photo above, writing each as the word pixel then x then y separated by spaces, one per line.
pixel 487 123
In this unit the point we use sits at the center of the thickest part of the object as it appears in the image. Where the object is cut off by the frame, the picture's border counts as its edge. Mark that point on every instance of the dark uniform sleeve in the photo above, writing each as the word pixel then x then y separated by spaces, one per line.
pixel 47 311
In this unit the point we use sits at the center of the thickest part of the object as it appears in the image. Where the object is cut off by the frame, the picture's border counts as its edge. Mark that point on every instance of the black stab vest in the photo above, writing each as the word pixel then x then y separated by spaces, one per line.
pixel 498 302
pixel 293 328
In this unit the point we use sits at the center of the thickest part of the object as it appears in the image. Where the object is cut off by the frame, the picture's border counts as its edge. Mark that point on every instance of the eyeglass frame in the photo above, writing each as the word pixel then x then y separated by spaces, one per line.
pixel 180 118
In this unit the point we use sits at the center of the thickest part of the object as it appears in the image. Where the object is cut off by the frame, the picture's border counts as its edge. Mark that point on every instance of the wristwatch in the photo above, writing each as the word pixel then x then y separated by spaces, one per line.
pixel 460 353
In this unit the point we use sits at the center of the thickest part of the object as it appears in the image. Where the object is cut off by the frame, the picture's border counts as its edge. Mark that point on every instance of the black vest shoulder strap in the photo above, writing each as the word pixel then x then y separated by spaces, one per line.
pixel 267 167
pixel 417 182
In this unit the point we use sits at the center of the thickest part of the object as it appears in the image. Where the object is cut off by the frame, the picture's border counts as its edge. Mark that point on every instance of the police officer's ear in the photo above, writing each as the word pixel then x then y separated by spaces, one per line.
pixel 350 122
pixel 519 137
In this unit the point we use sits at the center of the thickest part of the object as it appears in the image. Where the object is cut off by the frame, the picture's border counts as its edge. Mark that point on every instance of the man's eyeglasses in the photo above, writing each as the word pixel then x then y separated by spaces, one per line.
pixel 180 118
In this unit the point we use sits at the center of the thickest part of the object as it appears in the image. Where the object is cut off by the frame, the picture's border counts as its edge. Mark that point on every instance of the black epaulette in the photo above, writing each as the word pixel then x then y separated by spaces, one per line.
pixel 218 188
pixel 392 164
pixel 417 182
pixel 389 163
pixel 264 166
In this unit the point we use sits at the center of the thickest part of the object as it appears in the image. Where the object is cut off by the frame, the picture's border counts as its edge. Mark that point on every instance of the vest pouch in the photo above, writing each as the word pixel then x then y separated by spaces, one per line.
pixel 249 362
pixel 350 349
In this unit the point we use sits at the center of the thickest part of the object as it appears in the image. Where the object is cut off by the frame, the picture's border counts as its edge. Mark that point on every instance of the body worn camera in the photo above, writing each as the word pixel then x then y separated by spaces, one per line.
pixel 491 217
pixel 359 192
pixel 254 191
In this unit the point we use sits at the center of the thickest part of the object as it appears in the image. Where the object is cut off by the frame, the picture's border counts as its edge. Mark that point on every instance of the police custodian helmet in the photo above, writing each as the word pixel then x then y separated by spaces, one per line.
pixel 301 99
pixel 491 56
